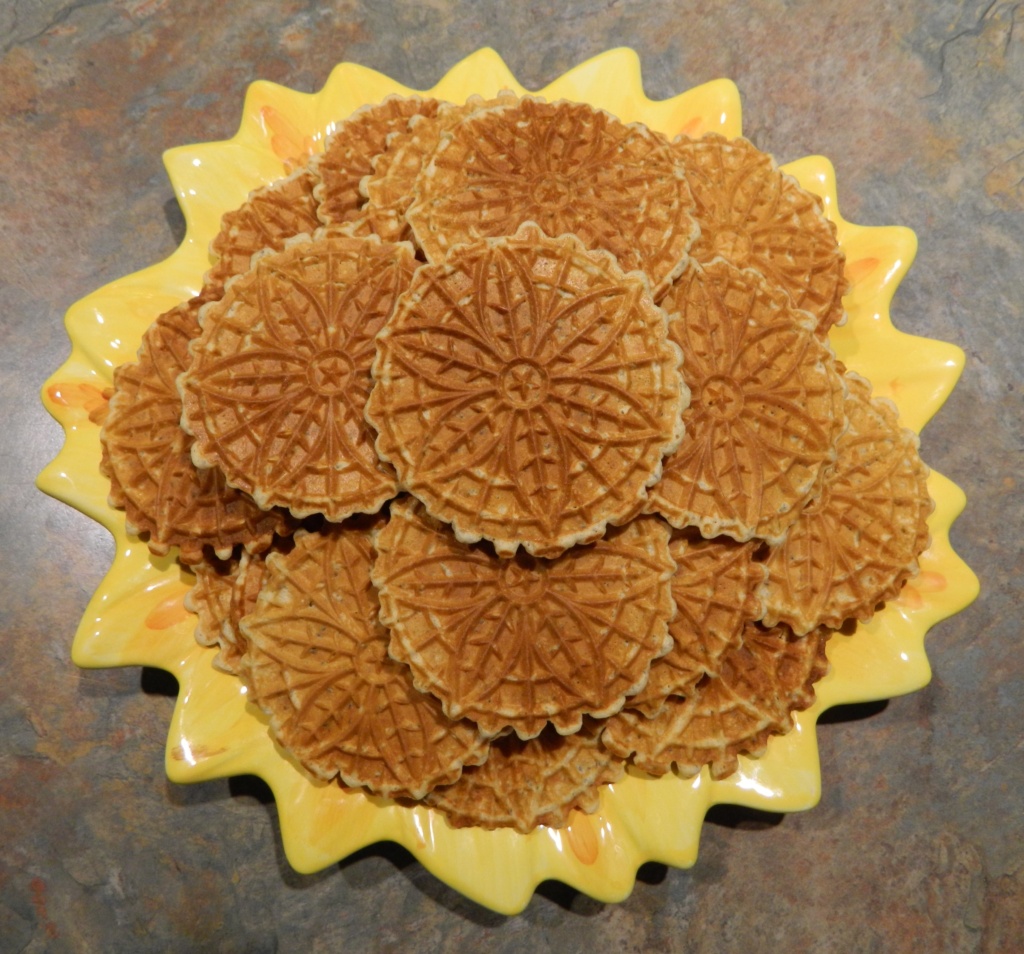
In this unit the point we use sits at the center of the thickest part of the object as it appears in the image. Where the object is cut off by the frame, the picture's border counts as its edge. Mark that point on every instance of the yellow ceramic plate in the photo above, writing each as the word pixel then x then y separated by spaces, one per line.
pixel 136 616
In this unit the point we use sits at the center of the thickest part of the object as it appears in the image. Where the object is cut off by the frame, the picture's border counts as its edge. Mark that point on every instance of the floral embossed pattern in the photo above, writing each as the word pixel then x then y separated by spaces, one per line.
pixel 856 544
pixel 568 168
pixel 267 219
pixel 279 378
pixel 350 151
pixel 762 680
pixel 210 600
pixel 713 591
pixel 223 593
pixel 148 457
pixel 526 392
pixel 766 409
pixel 520 642
pixel 524 784
pixel 390 188
pixel 318 663
pixel 753 215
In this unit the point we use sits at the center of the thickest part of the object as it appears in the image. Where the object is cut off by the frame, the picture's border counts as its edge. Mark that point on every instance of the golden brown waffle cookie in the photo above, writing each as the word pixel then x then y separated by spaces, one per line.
pixel 224 592
pixel 761 682
pixel 857 543
pixel 389 188
pixel 317 664
pixel 248 581
pixel 279 378
pixel 713 588
pixel 252 570
pixel 755 216
pixel 526 784
pixel 350 150
pixel 270 216
pixel 765 412
pixel 517 643
pixel 147 456
pixel 526 392
pixel 566 166
pixel 210 599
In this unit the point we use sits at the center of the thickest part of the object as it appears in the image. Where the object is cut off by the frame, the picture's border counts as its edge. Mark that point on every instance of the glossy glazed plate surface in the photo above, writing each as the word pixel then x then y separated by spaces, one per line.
pixel 136 617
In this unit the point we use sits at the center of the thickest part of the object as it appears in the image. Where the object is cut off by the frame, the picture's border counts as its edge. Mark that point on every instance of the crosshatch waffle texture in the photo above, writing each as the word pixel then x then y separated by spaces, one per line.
pixel 526 391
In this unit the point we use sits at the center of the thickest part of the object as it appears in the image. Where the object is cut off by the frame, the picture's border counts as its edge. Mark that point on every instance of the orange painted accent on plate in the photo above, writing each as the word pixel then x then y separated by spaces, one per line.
pixel 582 838
pixel 860 269
pixel 910 596
pixel 927 581
pixel 69 394
pixel 693 128
pixel 931 582
pixel 167 613
pixel 287 142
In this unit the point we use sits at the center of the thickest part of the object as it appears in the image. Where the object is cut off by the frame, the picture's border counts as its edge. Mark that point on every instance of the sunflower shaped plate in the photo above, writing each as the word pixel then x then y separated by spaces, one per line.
pixel 137 617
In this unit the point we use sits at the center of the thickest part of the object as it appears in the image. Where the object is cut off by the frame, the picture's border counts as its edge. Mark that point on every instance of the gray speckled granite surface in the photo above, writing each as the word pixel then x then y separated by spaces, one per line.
pixel 918 843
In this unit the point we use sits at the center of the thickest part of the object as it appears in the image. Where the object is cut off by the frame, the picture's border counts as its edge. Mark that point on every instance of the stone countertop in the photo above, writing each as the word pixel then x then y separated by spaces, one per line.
pixel 918 842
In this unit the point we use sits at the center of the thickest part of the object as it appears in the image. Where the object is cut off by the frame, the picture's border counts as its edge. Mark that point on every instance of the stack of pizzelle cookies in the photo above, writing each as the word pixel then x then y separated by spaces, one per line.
pixel 507 448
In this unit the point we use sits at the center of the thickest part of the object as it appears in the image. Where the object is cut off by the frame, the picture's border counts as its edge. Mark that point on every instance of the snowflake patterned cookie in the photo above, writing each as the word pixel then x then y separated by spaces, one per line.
pixel 518 643
pixel 536 782
pixel 270 216
pixel 148 457
pixel 755 216
pixel 279 378
pixel 858 541
pixel 568 167
pixel 761 682
pixel 766 407
pixel 714 590
pixel 351 149
pixel 316 662
pixel 526 391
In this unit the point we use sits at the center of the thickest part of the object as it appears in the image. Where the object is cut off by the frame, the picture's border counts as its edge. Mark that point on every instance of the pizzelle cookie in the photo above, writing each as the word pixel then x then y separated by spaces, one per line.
pixel 278 381
pixel 526 391
pixel 271 215
pixel 210 599
pixel 766 407
pixel 523 642
pixel 761 682
pixel 755 216
pixel 857 543
pixel 714 591
pixel 526 784
pixel 351 148
pixel 224 592
pixel 566 166
pixel 389 189
pixel 252 570
pixel 147 455
pixel 316 662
